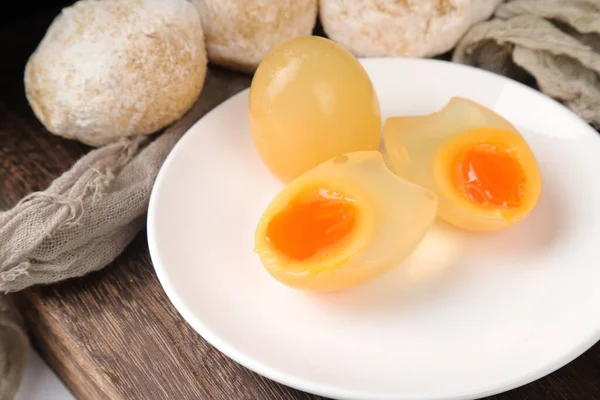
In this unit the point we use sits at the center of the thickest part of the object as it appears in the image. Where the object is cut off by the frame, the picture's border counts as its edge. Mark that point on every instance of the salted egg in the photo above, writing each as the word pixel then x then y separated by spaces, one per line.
pixel 311 100
pixel 481 168
pixel 342 223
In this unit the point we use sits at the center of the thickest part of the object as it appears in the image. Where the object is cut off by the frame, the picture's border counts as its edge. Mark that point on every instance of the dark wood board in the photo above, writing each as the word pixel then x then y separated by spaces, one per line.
pixel 113 334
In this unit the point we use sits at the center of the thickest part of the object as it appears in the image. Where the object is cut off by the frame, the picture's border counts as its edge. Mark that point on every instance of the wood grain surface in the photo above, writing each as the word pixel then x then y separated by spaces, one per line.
pixel 113 334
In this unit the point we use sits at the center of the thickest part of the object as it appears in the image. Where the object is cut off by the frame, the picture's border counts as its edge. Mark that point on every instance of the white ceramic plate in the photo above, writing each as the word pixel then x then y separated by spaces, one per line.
pixel 466 316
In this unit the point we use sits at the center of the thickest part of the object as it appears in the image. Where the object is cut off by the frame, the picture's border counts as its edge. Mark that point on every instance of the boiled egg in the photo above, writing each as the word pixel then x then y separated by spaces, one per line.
pixel 342 223
pixel 481 168
pixel 311 100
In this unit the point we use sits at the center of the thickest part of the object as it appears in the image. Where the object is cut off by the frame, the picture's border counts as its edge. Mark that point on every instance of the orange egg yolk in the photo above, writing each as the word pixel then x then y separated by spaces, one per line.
pixel 307 227
pixel 490 175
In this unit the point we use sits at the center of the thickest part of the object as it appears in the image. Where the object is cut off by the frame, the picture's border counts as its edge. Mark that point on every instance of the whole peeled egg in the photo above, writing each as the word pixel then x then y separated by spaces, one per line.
pixel 311 100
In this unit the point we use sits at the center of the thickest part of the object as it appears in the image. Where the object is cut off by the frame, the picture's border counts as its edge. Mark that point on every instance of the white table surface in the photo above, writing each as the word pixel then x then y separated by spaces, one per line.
pixel 40 383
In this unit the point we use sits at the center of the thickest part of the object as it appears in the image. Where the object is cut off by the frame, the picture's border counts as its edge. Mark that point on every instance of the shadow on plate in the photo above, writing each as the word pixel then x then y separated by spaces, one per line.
pixel 532 237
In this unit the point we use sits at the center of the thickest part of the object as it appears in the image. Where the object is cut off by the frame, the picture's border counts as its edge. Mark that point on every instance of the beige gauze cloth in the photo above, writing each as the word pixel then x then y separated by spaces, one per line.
pixel 555 41
pixel 85 219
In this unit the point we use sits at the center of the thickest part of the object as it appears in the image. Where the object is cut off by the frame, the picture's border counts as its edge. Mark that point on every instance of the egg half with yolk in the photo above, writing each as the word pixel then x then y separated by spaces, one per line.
pixel 481 168
pixel 342 223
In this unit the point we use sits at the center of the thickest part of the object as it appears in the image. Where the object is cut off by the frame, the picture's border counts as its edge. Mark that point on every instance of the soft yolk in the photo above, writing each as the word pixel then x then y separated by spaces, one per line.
pixel 490 175
pixel 305 228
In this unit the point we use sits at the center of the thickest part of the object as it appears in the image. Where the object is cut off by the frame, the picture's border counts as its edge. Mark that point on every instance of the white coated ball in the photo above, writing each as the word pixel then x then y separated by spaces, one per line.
pixel 240 33
pixel 116 68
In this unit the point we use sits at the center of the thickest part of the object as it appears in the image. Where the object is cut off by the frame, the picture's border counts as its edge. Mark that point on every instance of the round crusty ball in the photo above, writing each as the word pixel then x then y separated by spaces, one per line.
pixel 417 28
pixel 239 34
pixel 115 68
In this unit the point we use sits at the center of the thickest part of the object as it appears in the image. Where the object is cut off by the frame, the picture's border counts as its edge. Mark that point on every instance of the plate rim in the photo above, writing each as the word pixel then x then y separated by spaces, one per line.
pixel 325 390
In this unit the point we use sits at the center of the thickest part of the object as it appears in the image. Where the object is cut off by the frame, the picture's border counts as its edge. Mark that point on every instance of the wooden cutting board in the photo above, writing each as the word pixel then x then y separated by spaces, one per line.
pixel 113 334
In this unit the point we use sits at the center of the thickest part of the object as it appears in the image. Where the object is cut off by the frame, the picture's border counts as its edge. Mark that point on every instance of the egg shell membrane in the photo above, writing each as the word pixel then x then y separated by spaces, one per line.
pixel 311 100
pixel 424 150
pixel 393 216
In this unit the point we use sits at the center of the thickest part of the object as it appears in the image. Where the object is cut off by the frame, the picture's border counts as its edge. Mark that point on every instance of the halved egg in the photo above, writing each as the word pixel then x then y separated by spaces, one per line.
pixel 311 100
pixel 482 169
pixel 342 223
